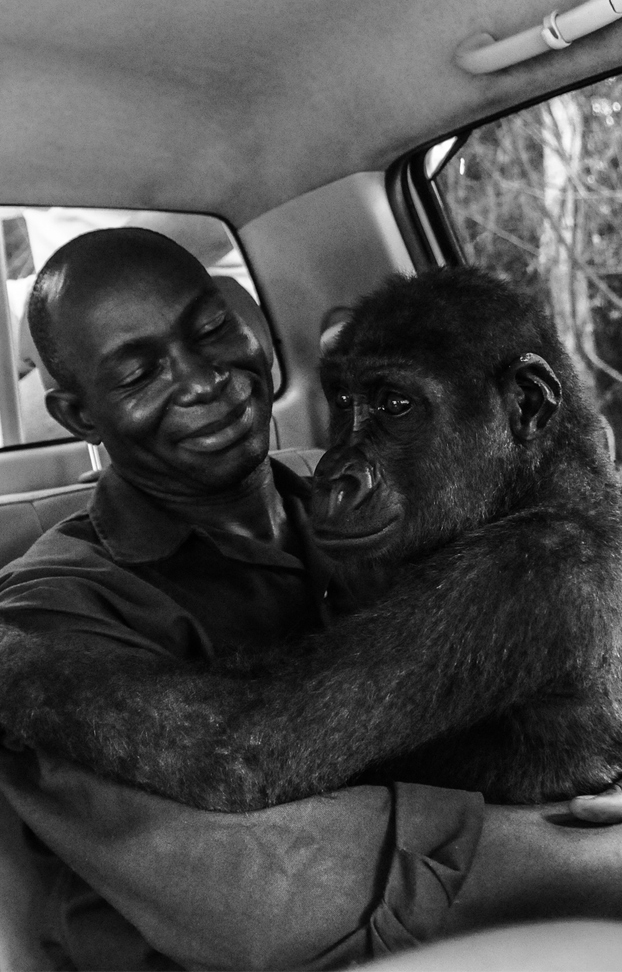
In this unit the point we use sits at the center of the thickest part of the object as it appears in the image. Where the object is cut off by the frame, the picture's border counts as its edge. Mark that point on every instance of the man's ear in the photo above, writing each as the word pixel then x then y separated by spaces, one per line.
pixel 532 393
pixel 66 407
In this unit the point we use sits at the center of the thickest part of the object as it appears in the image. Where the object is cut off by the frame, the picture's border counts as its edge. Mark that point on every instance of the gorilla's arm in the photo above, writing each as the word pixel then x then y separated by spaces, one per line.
pixel 453 642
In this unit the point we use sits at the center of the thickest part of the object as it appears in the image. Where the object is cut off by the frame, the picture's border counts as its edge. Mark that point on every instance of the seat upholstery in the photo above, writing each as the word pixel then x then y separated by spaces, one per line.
pixel 25 516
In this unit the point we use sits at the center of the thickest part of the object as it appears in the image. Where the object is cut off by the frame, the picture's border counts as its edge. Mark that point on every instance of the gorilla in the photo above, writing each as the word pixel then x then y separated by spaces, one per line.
pixel 476 519
pixel 463 449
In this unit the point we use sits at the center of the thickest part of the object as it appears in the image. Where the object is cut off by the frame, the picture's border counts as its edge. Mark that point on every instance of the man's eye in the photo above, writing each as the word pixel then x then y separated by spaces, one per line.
pixel 207 329
pixel 343 400
pixel 136 376
pixel 393 403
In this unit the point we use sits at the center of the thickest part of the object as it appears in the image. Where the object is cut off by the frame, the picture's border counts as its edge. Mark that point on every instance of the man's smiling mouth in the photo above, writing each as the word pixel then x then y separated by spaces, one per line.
pixel 224 432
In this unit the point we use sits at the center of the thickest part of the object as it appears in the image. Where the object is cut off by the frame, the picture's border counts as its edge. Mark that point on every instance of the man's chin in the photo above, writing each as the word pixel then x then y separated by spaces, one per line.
pixel 184 474
pixel 222 471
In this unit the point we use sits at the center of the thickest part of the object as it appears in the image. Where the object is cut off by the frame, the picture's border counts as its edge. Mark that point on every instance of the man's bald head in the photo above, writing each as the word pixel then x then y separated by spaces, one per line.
pixel 153 361
pixel 80 269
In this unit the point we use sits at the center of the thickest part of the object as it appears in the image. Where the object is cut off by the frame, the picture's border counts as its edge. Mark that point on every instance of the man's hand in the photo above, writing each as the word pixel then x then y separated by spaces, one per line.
pixel 602 808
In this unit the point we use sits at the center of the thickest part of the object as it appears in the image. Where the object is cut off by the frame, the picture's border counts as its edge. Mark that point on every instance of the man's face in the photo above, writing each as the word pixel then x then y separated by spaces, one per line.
pixel 176 385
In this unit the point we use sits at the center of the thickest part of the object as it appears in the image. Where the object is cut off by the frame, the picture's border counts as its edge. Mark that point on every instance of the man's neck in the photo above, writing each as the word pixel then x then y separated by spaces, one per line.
pixel 253 508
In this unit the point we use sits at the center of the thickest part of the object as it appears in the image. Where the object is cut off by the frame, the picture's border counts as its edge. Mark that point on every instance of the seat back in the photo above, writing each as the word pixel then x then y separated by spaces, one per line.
pixel 25 516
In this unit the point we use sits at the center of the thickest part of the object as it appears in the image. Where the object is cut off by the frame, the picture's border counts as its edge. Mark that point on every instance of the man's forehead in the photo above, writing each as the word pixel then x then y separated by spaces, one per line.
pixel 141 280
pixel 122 266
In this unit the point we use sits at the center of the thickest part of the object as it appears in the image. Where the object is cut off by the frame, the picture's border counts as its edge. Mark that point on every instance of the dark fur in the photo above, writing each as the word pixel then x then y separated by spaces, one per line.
pixel 496 654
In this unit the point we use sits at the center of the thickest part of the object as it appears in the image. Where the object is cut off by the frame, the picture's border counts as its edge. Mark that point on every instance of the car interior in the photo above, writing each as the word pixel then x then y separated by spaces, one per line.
pixel 303 151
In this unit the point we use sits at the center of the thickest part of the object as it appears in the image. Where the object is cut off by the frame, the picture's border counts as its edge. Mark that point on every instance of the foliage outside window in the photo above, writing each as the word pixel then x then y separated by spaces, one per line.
pixel 537 197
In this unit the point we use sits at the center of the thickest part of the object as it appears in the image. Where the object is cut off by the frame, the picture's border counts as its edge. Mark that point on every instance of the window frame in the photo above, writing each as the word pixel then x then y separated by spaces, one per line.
pixel 419 209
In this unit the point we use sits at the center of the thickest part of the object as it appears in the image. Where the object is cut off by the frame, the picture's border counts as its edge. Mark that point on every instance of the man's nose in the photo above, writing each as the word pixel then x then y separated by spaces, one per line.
pixel 197 380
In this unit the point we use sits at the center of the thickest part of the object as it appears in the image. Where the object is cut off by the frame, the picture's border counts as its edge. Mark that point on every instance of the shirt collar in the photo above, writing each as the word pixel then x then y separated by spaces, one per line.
pixel 134 529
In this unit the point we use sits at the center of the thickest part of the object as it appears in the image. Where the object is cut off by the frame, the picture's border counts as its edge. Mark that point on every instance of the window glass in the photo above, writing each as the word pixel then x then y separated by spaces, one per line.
pixel 28 237
pixel 537 197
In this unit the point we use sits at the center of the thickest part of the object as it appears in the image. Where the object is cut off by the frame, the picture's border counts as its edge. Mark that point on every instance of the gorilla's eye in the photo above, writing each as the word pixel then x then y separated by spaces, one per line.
pixel 343 400
pixel 394 403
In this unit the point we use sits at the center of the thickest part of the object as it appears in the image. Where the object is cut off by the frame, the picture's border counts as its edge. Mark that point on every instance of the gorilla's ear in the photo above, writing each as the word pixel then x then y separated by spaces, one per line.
pixel 67 409
pixel 532 393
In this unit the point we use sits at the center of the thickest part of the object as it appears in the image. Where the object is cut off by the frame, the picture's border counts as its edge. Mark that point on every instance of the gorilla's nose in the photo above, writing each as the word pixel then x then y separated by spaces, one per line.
pixel 343 481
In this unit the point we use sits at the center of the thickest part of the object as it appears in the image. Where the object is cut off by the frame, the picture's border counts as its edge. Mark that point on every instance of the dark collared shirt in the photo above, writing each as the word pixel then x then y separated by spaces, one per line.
pixel 128 570
pixel 317 884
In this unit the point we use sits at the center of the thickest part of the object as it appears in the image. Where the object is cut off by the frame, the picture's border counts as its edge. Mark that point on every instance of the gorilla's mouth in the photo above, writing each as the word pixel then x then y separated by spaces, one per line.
pixel 351 537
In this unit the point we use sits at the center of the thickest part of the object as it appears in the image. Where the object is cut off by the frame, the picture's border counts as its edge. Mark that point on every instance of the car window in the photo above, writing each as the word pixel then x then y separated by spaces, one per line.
pixel 537 197
pixel 28 236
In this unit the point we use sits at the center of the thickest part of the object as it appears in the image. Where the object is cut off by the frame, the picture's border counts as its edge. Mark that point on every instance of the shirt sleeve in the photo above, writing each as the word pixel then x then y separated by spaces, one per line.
pixel 76 592
pixel 316 884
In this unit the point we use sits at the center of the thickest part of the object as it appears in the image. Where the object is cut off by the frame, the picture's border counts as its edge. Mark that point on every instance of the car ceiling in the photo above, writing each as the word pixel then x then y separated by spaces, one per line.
pixel 235 106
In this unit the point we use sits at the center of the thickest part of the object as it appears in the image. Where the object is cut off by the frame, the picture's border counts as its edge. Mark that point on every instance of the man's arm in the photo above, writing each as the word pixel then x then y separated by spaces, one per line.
pixel 538 862
pixel 21 899
pixel 320 883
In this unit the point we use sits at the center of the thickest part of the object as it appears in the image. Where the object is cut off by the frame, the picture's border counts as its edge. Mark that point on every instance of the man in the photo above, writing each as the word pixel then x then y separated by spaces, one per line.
pixel 196 542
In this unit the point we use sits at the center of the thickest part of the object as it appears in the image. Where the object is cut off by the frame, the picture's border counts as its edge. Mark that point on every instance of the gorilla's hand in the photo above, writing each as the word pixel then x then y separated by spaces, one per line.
pixel 602 808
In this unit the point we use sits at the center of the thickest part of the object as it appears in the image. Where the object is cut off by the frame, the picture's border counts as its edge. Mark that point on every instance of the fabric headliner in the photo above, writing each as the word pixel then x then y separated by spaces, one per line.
pixel 234 106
